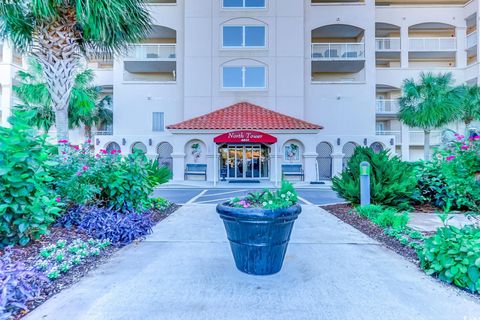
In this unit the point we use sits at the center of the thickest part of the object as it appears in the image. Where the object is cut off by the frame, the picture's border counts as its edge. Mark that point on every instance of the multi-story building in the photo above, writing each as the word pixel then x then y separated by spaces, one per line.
pixel 243 87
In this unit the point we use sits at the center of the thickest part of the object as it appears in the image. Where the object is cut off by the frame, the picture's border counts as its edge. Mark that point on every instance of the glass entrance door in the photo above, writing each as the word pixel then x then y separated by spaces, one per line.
pixel 244 161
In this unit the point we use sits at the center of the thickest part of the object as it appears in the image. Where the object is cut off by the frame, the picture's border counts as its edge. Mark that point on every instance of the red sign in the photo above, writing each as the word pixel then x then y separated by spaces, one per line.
pixel 245 136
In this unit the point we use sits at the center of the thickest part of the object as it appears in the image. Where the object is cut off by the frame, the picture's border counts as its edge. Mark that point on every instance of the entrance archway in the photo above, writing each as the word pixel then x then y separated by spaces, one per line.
pixel 324 160
pixel 164 151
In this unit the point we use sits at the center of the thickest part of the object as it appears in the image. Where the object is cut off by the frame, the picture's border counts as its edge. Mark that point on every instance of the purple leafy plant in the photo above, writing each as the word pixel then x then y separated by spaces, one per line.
pixel 107 224
pixel 18 285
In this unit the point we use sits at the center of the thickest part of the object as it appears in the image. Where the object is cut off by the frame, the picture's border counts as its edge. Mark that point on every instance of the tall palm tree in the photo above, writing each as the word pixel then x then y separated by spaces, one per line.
pixel 60 32
pixel 85 108
pixel 428 104
pixel 469 103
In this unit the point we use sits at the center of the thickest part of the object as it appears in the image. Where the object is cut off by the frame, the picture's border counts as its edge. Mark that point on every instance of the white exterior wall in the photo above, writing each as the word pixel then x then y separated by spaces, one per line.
pixel 345 109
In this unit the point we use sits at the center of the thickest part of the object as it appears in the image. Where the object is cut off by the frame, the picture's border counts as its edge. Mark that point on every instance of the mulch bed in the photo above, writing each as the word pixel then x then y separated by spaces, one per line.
pixel 343 212
pixel 29 253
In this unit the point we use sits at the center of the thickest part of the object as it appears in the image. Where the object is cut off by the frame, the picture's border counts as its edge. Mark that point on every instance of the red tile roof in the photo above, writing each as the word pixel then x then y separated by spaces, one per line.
pixel 244 115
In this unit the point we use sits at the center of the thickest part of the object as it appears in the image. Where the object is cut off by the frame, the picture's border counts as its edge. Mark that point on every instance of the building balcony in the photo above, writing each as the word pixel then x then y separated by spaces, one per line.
pixel 472 40
pixel 152 52
pixel 151 63
pixel 387 44
pixel 433 44
pixel 387 107
pixel 338 51
pixel 396 134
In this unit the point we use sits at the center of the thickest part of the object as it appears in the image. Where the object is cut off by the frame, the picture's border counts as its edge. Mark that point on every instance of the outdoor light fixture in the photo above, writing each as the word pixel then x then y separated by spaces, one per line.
pixel 124 142
pixel 391 142
pixel 97 141
pixel 338 141
pixel 365 141
pixel 150 142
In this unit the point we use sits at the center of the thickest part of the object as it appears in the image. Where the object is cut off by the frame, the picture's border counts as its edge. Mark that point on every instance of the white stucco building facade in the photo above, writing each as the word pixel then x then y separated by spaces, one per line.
pixel 338 65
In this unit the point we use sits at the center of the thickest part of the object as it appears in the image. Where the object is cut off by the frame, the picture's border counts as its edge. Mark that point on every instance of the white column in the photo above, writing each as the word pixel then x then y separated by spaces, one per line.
pixel 404 43
pixel 6 101
pixel 178 166
pixel 461 54
pixel 405 146
pixel 275 154
pixel 337 163
pixel 310 166
pixel 215 163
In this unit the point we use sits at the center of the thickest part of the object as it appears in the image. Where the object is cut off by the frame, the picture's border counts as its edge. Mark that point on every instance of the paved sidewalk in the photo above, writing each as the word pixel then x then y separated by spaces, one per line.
pixel 185 271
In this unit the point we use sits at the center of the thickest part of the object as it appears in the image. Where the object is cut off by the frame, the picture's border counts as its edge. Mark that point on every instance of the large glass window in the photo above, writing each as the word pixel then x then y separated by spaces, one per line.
pixel 244 36
pixel 244 3
pixel 244 77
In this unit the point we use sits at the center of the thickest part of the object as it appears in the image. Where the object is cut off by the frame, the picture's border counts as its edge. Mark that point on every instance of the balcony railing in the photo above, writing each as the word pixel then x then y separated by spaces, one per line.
pixel 387 44
pixel 152 52
pixel 417 138
pixel 338 51
pixel 433 44
pixel 472 39
pixel 396 134
pixel 387 106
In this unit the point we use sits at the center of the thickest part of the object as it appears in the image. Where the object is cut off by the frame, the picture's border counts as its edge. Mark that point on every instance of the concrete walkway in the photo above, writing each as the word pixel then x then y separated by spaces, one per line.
pixel 185 271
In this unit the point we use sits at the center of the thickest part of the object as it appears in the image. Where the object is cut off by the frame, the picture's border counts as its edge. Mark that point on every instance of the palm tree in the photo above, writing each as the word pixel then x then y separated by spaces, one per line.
pixel 84 105
pixel 469 103
pixel 60 32
pixel 428 104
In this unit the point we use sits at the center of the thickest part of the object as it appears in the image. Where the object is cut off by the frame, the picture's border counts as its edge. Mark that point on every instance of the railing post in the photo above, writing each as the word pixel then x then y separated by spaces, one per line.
pixel 365 183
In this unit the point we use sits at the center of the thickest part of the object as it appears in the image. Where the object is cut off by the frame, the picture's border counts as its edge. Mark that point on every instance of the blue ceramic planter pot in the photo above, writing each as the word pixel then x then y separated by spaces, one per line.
pixel 258 237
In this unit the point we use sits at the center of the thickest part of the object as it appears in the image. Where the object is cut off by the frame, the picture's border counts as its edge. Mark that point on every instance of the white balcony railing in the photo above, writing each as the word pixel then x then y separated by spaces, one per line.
pixel 152 52
pixel 387 44
pixel 387 106
pixel 396 134
pixel 472 39
pixel 433 44
pixel 338 51
pixel 417 138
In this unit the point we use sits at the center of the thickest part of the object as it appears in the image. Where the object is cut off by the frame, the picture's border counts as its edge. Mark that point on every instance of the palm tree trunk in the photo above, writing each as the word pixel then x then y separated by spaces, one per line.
pixel 427 145
pixel 57 54
pixel 88 132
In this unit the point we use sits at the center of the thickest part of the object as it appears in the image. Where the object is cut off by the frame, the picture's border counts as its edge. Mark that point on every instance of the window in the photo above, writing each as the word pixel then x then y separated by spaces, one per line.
pixel 243 36
pixel 244 77
pixel 244 3
pixel 158 121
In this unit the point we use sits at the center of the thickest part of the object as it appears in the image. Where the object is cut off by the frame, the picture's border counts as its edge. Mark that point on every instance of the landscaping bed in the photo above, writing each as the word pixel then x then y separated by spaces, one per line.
pixel 344 213
pixel 29 256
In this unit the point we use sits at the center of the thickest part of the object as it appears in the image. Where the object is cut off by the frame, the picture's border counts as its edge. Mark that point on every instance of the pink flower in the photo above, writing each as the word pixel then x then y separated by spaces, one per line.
pixel 76 147
pixel 63 152
pixel 79 174
pixel 57 199
pixel 476 137
pixel 85 168
pixel 449 158
pixel 89 141
pixel 103 151
pixel 464 147
pixel 460 137
pixel 62 141
pixel 119 151
pixel 113 151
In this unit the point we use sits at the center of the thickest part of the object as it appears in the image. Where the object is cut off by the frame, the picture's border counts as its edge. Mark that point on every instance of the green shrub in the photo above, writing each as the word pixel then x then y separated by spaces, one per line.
pixel 392 181
pixel 453 255
pixel 27 205
pixel 384 217
pixel 123 183
pixel 449 181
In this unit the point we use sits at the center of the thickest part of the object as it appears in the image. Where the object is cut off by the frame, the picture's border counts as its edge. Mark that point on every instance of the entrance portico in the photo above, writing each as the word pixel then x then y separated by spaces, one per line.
pixel 248 143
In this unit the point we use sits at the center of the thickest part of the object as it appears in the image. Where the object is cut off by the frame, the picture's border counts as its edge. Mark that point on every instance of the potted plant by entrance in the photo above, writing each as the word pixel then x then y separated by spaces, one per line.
pixel 259 227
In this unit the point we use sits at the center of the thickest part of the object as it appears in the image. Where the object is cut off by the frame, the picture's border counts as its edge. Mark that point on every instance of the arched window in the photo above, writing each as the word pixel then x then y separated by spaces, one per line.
pixel 164 151
pixel 244 74
pixel 324 160
pixel 348 150
pixel 139 146
pixel 377 147
pixel 113 146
